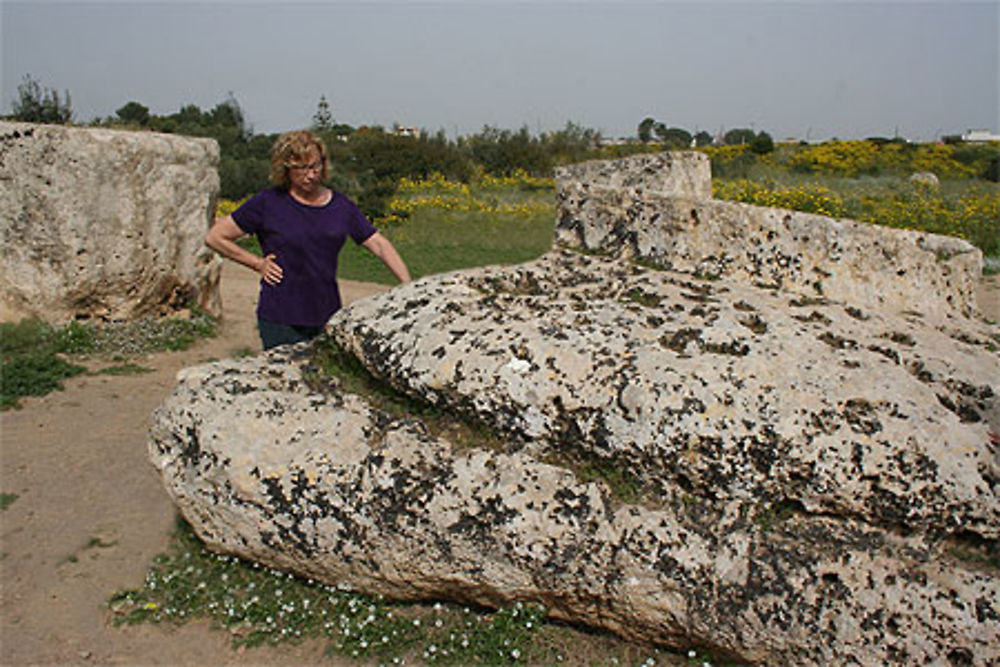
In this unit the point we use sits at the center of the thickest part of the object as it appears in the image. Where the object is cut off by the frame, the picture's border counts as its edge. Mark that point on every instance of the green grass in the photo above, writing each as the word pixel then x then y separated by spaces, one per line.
pixel 435 241
pixel 124 369
pixel 30 364
pixel 259 605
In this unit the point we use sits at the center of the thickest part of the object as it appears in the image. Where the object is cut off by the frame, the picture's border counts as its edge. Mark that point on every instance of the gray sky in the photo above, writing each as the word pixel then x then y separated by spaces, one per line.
pixel 808 69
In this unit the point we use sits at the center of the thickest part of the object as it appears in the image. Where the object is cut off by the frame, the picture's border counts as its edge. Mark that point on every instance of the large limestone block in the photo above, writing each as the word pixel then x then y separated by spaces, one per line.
pixel 817 463
pixel 323 485
pixel 707 387
pixel 684 174
pixel 104 223
pixel 865 265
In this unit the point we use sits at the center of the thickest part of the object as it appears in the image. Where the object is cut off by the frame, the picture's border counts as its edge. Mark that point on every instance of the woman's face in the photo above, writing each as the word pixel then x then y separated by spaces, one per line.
pixel 305 174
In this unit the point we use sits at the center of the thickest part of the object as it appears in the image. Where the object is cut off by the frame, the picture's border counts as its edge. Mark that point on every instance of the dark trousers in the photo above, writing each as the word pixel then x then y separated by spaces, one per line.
pixel 273 334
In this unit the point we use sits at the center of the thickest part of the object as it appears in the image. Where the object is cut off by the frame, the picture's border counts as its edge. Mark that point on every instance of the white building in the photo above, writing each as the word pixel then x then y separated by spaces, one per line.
pixel 979 136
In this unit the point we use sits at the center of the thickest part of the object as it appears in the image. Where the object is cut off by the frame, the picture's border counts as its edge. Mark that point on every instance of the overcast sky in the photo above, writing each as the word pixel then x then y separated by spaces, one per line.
pixel 807 69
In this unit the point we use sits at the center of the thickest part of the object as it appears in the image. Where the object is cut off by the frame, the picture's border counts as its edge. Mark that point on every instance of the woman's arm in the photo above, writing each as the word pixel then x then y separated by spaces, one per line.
pixel 222 239
pixel 380 246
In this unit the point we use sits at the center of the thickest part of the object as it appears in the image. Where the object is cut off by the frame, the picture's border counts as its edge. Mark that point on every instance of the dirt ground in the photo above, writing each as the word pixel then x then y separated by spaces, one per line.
pixel 91 512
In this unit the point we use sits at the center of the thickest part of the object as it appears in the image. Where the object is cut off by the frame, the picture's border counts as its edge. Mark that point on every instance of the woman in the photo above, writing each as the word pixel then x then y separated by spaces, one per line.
pixel 301 226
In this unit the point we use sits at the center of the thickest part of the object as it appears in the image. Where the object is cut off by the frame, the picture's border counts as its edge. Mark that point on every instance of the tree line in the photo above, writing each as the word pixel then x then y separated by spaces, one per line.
pixel 368 161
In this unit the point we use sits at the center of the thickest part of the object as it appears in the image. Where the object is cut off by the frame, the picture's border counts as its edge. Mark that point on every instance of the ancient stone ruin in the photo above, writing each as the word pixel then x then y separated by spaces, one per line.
pixel 98 223
pixel 788 417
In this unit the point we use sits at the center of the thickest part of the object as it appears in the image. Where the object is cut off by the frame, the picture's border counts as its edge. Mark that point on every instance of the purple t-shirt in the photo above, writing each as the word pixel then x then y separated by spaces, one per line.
pixel 306 241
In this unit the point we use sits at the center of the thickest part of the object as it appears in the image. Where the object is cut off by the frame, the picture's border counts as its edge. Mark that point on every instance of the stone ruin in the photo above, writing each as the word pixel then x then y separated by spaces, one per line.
pixel 805 404
pixel 98 223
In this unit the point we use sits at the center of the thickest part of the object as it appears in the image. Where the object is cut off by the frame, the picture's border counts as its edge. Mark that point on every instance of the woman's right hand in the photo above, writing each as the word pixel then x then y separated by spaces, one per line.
pixel 269 270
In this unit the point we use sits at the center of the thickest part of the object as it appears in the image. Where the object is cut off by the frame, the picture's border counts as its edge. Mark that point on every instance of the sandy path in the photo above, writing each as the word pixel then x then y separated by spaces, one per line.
pixel 77 461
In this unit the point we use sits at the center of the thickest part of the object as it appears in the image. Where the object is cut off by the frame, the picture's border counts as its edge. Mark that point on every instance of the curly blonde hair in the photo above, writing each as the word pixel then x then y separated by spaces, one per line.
pixel 296 147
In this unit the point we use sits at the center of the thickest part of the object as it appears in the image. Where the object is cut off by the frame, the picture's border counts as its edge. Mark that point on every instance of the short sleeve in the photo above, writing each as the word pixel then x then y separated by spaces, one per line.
pixel 251 214
pixel 360 228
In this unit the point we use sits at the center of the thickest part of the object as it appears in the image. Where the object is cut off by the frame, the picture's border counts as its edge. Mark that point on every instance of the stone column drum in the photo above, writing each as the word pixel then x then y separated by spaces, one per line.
pixel 98 223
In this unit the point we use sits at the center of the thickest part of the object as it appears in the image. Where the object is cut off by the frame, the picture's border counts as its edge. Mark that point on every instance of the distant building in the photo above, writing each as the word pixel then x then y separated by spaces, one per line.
pixel 979 136
pixel 401 131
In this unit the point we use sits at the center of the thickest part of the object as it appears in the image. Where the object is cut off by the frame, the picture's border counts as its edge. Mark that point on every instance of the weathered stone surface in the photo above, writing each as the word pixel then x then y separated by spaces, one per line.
pixel 322 485
pixel 683 174
pixel 104 223
pixel 865 265
pixel 815 470
pixel 712 386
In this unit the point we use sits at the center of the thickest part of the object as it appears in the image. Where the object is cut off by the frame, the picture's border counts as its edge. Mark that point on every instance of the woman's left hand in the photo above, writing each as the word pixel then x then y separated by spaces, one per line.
pixel 269 270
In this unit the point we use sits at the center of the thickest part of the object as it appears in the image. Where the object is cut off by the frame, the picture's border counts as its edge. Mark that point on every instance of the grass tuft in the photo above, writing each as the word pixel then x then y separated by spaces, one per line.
pixel 7 499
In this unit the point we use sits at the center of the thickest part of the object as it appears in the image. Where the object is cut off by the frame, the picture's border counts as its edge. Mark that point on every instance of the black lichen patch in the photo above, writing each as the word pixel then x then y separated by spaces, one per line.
pixel 917 369
pixel 806 301
pixel 700 297
pixel 861 415
pixel 679 340
pixel 814 316
pixel 886 352
pixel 966 413
pixel 755 324
pixel 900 338
pixel 733 348
pixel 837 342
pixel 973 550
